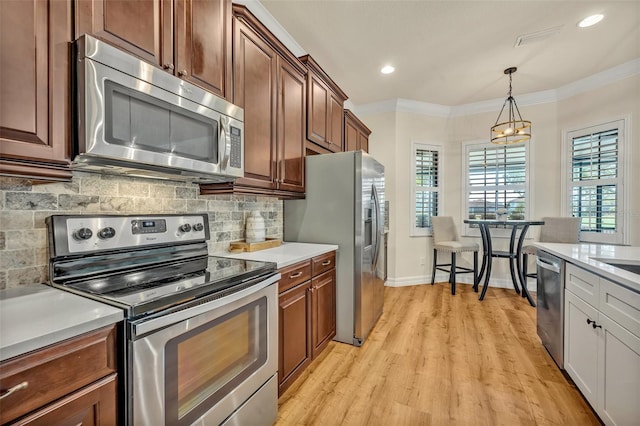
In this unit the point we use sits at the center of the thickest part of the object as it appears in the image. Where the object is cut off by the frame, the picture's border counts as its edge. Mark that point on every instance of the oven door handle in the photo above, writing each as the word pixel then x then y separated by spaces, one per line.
pixel 145 326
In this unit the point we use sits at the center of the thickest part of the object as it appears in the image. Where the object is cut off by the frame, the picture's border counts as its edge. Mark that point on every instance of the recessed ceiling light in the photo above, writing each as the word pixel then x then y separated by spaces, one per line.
pixel 387 69
pixel 590 20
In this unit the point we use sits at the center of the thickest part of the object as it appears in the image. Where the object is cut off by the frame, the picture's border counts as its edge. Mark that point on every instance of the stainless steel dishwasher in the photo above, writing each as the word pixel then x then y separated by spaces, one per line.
pixel 550 307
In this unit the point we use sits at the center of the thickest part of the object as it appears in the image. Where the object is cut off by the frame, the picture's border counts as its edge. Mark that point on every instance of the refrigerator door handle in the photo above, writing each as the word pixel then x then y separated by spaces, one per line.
pixel 376 227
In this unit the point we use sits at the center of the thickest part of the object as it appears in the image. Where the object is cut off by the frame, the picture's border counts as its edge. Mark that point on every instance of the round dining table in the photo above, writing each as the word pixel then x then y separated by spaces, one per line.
pixel 514 254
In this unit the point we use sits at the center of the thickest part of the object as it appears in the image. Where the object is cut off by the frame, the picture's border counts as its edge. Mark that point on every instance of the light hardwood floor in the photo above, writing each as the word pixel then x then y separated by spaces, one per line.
pixel 437 359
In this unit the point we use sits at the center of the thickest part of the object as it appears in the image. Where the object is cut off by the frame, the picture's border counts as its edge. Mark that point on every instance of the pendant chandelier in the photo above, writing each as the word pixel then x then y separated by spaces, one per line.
pixel 514 129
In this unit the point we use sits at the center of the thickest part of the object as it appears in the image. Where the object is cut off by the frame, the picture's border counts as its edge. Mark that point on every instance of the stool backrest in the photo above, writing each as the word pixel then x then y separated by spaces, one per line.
pixel 443 229
pixel 560 230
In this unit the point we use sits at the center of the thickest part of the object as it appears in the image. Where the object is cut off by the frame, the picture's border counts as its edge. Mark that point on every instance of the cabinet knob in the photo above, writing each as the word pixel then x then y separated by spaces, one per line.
pixel 168 67
pixel 183 73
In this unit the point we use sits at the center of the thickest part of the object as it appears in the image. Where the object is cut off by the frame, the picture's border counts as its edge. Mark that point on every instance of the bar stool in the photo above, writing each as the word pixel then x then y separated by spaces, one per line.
pixel 446 239
pixel 555 230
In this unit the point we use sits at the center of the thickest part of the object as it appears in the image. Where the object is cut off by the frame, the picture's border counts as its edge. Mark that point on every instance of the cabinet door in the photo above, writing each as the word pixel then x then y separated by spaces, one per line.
pixel 254 82
pixel 351 136
pixel 34 88
pixel 144 28
pixel 363 142
pixel 619 374
pixel 318 96
pixel 94 404
pixel 294 336
pixel 334 128
pixel 203 44
pixel 291 128
pixel 323 311
pixel 581 345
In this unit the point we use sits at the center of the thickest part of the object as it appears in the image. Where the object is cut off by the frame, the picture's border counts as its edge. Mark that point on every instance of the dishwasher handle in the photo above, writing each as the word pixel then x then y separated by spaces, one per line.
pixel 548 265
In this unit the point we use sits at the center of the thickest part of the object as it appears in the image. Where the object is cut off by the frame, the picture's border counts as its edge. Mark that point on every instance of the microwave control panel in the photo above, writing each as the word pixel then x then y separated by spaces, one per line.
pixel 235 159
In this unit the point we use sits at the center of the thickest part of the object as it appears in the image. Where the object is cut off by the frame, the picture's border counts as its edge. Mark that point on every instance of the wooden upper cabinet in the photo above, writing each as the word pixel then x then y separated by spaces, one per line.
pixel 34 89
pixel 144 28
pixel 291 128
pixel 255 69
pixel 203 44
pixel 325 106
pixel 356 134
pixel 269 82
pixel 188 38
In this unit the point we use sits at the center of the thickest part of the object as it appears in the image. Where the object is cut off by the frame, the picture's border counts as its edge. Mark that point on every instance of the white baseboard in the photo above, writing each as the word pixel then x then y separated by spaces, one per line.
pixel 444 277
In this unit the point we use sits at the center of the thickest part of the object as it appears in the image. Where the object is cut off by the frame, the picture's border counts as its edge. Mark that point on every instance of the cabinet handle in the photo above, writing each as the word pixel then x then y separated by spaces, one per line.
pixel 327 263
pixel 296 275
pixel 168 67
pixel 16 388
pixel 183 73
pixel 593 324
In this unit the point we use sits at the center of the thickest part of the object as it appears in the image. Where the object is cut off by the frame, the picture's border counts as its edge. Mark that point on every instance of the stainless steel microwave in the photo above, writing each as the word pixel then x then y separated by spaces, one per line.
pixel 135 119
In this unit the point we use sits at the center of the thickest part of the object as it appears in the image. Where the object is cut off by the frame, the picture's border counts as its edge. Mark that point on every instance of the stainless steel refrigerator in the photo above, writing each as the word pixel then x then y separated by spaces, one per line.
pixel 344 205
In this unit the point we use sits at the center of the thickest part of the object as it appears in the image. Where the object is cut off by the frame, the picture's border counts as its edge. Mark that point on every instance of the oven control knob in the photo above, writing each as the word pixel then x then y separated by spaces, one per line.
pixel 82 234
pixel 106 233
pixel 185 228
pixel 198 227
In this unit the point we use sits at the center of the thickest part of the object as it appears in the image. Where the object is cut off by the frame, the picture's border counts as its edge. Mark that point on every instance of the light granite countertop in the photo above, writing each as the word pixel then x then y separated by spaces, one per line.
pixel 284 255
pixel 37 315
pixel 592 257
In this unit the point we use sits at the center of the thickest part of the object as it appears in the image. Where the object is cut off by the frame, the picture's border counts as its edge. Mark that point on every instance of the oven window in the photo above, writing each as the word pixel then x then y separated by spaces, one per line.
pixel 136 120
pixel 212 360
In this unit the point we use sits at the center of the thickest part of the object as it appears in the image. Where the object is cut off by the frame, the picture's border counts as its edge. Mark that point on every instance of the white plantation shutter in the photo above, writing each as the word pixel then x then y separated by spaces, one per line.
pixel 426 186
pixel 595 181
pixel 497 178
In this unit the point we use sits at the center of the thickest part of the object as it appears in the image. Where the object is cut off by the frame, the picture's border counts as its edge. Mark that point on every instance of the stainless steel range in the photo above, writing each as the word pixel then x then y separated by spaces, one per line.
pixel 200 332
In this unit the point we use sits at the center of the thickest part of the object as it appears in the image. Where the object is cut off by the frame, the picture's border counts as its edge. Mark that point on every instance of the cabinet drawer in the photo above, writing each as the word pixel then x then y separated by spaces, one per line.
pixel 582 283
pixel 56 371
pixel 320 264
pixel 621 305
pixel 294 275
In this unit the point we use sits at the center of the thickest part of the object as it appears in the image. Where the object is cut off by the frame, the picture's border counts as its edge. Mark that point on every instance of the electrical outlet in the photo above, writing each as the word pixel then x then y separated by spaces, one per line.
pixel 423 260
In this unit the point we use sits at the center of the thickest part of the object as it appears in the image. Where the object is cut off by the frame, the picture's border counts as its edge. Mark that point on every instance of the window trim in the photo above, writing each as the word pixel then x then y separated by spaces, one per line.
pixel 623 124
pixel 529 187
pixel 439 147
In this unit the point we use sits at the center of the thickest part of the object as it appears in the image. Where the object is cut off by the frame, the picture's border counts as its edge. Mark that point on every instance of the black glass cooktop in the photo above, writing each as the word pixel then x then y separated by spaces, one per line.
pixel 148 290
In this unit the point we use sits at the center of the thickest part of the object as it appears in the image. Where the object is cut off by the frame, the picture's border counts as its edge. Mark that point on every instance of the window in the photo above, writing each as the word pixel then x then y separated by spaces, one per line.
pixel 497 178
pixel 427 186
pixel 595 181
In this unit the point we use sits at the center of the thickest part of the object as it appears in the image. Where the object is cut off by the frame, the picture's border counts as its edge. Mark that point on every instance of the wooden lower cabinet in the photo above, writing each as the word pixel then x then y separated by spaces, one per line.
pixel 323 309
pixel 307 315
pixel 69 383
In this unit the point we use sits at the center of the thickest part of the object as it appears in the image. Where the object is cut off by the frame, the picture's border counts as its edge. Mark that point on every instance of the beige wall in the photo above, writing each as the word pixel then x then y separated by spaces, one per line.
pixel 550 121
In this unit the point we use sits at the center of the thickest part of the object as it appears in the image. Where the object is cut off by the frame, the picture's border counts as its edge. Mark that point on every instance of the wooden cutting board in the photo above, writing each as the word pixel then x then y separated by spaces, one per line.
pixel 242 245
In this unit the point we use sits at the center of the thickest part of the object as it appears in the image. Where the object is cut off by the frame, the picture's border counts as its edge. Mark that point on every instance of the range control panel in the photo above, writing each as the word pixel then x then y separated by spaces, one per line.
pixel 79 234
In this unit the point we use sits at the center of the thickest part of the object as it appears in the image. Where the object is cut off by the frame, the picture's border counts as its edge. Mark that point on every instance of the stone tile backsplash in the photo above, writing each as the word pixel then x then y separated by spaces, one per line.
pixel 24 207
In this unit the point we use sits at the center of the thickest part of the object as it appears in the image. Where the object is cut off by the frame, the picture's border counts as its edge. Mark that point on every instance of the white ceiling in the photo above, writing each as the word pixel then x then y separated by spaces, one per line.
pixel 453 52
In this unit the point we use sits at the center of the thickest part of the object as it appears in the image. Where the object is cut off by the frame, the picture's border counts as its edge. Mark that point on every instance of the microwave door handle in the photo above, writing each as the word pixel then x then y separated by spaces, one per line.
pixel 224 140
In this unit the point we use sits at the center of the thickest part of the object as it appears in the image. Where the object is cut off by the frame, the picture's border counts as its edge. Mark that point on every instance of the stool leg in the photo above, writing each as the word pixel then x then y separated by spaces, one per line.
pixel 525 260
pixel 453 273
pixel 476 279
pixel 435 261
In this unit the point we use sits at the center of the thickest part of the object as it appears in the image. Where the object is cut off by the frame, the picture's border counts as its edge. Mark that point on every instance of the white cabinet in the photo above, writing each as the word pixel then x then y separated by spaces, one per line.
pixel 602 345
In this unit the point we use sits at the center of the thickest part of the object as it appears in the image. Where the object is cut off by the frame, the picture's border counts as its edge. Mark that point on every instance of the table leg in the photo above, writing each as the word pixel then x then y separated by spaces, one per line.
pixel 484 252
pixel 488 254
pixel 512 259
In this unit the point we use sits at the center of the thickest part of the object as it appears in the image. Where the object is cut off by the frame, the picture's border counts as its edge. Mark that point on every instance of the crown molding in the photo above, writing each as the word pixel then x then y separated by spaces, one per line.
pixel 595 81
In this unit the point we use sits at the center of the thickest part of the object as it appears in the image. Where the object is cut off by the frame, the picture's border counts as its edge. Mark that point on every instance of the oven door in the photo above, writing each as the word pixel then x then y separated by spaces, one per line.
pixel 202 364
